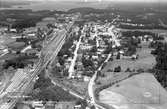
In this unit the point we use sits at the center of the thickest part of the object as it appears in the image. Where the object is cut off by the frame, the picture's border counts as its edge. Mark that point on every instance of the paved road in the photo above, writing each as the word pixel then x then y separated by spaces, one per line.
pixel 92 80
pixel 71 69
pixel 91 84
pixel 162 23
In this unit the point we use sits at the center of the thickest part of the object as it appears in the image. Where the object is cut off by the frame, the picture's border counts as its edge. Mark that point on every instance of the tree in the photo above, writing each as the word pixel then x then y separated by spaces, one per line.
pixel 118 56
pixel 108 49
pixel 98 83
pixel 92 107
pixel 103 75
pixel 131 49
pixel 128 70
pixel 87 63
pixel 83 103
pixel 94 49
pixel 117 69
pixel 160 69
pixel 56 71
pixel 61 60
pixel 42 82
pixel 109 70
pixel 140 70
pixel 99 73
pixel 161 57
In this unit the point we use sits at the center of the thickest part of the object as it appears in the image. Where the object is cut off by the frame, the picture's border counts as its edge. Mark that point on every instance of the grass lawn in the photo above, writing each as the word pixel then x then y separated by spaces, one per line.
pixel 79 86
pixel 54 93
pixel 141 91
pixel 145 61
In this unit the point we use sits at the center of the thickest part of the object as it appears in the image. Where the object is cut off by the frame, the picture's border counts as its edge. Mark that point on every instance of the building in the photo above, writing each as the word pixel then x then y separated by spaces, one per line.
pixel 65 105
pixel 31 52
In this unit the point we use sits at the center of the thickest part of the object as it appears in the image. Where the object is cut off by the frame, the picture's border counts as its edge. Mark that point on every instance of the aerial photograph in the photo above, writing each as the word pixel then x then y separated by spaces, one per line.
pixel 83 54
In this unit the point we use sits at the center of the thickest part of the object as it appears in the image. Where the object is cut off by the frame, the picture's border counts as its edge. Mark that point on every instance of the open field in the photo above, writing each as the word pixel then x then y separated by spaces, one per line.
pixel 54 93
pixel 137 92
pixel 74 85
pixel 145 30
pixel 145 61
pixel 78 86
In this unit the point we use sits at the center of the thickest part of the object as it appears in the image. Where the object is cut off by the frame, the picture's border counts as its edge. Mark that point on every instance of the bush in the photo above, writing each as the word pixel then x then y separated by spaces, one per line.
pixel 140 70
pixel 118 56
pixel 103 75
pixel 117 69
pixel 128 70
pixel 98 82
pixel 109 70
pixel 42 82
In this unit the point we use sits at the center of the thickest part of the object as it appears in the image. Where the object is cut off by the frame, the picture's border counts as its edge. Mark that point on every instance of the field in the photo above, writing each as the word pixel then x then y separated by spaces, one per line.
pixel 138 92
pixel 146 30
pixel 78 86
pixel 111 79
pixel 53 93
pixel 145 61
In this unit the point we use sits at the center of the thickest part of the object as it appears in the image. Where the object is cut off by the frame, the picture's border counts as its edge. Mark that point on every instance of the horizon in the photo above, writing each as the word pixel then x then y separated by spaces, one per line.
pixel 141 1
pixel 61 5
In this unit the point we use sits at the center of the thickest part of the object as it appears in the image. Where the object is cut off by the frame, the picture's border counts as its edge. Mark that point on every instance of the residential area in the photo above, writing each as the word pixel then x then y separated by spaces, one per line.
pixel 83 58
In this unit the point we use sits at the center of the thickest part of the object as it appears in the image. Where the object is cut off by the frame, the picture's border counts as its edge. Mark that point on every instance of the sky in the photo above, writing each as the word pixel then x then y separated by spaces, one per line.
pixel 96 0
pixel 116 0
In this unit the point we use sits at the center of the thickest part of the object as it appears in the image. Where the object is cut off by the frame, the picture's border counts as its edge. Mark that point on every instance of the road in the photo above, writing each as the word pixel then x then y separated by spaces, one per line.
pixel 5 51
pixel 162 23
pixel 26 48
pixel 71 69
pixel 92 80
pixel 24 81
pixel 91 84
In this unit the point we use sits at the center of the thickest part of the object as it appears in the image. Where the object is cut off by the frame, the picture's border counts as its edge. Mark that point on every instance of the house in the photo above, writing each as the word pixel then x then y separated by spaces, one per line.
pixel 22 106
pixel 100 50
pixel 26 48
pixel 31 52
pixel 79 75
pixel 79 66
pixel 148 38
pixel 3 29
pixel 86 47
pixel 50 105
pixel 67 65
pixel 31 35
pixel 121 52
pixel 65 105
pixel 77 107
pixel 13 30
pixel 134 56
pixel 30 29
pixel 38 105
pixel 87 78
pixel 95 57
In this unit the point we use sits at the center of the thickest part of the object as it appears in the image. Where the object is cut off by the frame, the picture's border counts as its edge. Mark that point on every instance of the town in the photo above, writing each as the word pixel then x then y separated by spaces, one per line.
pixel 84 58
